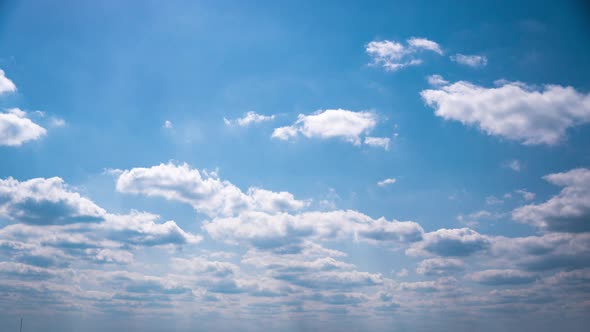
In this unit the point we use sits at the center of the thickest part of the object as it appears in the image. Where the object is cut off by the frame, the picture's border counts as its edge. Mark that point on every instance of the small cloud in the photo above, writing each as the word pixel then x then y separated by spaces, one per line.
pixel 386 182
pixel 473 61
pixel 402 273
pixel 392 55
pixel 16 128
pixel 436 80
pixel 426 44
pixel 248 119
pixel 514 165
pixel 493 200
pixel 57 122
pixel 6 85
pixel 167 124
pixel 382 142
pixel 331 123
pixel 527 195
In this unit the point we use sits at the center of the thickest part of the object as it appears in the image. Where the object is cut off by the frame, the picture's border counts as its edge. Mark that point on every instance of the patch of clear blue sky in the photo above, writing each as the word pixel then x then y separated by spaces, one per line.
pixel 116 70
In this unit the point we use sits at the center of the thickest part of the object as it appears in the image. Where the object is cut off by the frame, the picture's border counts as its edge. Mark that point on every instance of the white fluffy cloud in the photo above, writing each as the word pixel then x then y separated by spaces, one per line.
pixel 248 119
pixel 45 202
pixel 205 192
pixel 513 110
pixel 473 61
pixel 568 211
pixel 287 232
pixel 393 55
pixel 16 128
pixel 450 242
pixel 332 123
pixel 6 85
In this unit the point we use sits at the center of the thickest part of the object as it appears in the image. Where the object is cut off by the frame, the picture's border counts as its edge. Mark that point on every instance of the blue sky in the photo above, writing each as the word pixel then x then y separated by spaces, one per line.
pixel 402 165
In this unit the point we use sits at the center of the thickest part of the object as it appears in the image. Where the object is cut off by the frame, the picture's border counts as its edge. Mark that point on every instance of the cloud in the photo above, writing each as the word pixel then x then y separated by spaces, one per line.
pixel 473 61
pixel 436 80
pixel 502 277
pixel 204 191
pixel 16 128
pixel 527 195
pixel 139 228
pixel 440 266
pixel 514 165
pixel 513 110
pixel 331 123
pixel 45 202
pixel 248 119
pixel 423 43
pixel 6 85
pixel 382 142
pixel 385 182
pixel 167 124
pixel 286 233
pixel 332 280
pixel 540 253
pixel 393 55
pixel 568 211
pixel 450 242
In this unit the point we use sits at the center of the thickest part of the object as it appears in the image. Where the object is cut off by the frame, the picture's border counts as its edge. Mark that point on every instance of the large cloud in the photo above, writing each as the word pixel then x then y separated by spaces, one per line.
pixel 568 211
pixel 204 191
pixel 288 232
pixel 331 123
pixel 52 225
pixel 45 202
pixel 513 110
pixel 16 128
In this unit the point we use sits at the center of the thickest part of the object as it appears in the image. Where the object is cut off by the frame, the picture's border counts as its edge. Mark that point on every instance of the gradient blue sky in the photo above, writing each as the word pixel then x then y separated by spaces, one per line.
pixel 295 166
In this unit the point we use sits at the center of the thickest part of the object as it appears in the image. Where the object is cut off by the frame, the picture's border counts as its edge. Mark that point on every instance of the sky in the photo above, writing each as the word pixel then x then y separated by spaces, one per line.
pixel 294 166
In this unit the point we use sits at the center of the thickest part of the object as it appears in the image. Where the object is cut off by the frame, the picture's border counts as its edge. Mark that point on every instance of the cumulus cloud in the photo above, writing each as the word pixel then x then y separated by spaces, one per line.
pixel 440 266
pixel 204 191
pixel 539 253
pixel 513 110
pixel 49 219
pixel 6 85
pixel 392 55
pixel 331 123
pixel 568 211
pixel 286 232
pixel 248 119
pixel 43 201
pixel 16 128
pixel 450 242
pixel 473 61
